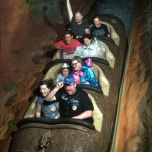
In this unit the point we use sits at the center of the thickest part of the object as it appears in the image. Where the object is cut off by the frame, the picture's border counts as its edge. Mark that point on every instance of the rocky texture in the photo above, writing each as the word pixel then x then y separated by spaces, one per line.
pixel 27 42
pixel 134 131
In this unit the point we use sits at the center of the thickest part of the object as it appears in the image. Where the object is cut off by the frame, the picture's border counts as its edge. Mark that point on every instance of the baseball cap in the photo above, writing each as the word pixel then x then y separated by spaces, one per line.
pixel 69 79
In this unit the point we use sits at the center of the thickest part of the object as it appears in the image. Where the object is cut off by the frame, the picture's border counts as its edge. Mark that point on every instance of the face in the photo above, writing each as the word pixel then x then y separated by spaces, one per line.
pixel 87 42
pixel 78 18
pixel 68 38
pixel 76 65
pixel 44 90
pixel 70 89
pixel 65 72
pixel 97 22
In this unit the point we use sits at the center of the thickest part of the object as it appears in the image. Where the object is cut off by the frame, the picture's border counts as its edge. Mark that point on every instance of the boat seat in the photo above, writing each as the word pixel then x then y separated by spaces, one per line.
pixel 109 56
pixel 112 32
pixel 97 115
pixel 103 82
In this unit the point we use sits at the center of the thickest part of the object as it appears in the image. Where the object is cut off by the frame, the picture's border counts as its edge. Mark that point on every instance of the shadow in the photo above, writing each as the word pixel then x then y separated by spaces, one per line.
pixel 51 53
pixel 47 20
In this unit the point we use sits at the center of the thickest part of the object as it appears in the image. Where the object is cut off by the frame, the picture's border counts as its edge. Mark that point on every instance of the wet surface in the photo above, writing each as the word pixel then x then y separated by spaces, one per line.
pixel 123 9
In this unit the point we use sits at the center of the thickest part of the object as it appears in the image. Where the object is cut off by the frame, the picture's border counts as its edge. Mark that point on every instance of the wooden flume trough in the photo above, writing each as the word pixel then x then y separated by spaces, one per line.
pixel 71 135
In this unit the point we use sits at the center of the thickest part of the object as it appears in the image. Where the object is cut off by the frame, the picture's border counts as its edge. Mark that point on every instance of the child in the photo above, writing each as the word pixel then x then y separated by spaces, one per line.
pixel 43 108
pixel 63 72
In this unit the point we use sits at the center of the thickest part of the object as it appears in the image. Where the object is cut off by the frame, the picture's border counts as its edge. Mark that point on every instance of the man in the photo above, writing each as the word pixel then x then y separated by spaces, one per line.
pixel 99 29
pixel 83 72
pixel 68 44
pixel 73 102
pixel 78 26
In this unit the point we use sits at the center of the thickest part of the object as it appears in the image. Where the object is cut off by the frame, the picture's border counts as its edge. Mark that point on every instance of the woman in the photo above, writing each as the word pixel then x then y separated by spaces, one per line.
pixel 82 71
pixel 92 48
pixel 99 29
pixel 46 109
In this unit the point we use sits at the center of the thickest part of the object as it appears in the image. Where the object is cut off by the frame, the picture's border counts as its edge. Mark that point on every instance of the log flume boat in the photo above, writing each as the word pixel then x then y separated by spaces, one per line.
pixel 71 135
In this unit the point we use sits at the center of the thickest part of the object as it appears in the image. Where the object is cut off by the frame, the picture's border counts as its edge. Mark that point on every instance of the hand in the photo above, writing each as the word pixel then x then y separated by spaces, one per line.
pixel 59 85
pixel 77 37
pixel 58 47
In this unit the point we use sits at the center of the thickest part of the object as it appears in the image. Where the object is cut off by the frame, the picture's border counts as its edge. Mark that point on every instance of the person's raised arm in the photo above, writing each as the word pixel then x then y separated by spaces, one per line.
pixel 51 95
pixel 69 8
pixel 84 115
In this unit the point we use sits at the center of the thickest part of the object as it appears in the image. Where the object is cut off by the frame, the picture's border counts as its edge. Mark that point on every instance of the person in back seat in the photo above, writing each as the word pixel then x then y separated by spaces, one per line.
pixel 78 26
pixel 92 48
pixel 99 29
pixel 68 44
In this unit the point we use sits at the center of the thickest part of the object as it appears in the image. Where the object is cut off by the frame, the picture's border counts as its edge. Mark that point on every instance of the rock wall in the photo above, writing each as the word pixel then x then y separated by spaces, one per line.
pixel 27 43
pixel 134 129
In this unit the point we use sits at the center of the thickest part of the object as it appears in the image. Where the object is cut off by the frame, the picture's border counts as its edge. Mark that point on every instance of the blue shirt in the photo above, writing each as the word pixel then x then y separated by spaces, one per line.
pixel 49 110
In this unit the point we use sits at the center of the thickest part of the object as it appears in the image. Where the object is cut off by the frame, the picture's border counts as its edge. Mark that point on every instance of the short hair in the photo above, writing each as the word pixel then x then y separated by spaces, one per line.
pixel 78 12
pixel 96 16
pixel 88 36
pixel 78 58
pixel 47 82
pixel 68 32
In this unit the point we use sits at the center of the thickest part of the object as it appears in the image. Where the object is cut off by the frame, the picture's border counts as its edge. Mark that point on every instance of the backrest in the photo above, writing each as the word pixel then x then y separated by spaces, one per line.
pixel 108 56
pixel 97 115
pixel 112 32
pixel 31 109
pixel 103 82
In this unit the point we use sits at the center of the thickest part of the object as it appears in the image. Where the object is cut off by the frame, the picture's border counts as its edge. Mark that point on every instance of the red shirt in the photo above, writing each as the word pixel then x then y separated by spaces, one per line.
pixel 68 48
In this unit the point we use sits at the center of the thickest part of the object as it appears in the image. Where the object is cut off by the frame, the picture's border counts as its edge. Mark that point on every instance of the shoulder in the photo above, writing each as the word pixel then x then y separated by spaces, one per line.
pixel 59 42
pixel 40 100
pixel 103 25
pixel 85 23
pixel 77 42
pixel 81 92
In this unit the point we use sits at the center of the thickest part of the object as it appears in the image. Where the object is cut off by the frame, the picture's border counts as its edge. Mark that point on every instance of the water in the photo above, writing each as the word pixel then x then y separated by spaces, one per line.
pixel 123 9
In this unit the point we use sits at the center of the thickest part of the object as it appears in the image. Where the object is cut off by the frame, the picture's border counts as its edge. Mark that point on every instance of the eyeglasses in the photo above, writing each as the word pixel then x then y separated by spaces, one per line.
pixel 74 64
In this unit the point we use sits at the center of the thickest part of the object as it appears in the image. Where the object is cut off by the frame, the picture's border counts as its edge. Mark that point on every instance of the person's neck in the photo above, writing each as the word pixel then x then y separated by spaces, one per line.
pixel 79 23
pixel 98 25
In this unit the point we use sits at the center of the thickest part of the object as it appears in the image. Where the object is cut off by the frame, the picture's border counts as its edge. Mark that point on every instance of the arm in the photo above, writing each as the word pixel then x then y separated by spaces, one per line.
pixel 51 94
pixel 58 45
pixel 84 115
pixel 70 13
pixel 38 110
pixel 108 35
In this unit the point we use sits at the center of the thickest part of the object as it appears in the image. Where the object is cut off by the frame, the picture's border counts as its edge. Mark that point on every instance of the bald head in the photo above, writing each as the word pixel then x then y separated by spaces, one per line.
pixel 78 17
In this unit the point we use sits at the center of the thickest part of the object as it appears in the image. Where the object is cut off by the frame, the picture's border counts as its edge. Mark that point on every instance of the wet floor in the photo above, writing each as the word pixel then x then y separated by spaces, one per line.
pixel 123 9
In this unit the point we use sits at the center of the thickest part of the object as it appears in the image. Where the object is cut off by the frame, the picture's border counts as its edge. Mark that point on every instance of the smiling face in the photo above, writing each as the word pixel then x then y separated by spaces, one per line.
pixel 97 22
pixel 65 71
pixel 68 38
pixel 78 18
pixel 76 66
pixel 87 42
pixel 44 90
pixel 70 89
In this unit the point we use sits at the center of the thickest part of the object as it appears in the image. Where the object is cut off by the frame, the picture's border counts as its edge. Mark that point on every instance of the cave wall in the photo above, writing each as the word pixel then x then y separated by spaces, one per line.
pixel 134 127
pixel 27 44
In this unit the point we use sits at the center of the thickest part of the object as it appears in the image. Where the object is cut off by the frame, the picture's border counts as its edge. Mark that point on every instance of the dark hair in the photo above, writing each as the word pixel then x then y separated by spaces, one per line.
pixel 68 32
pixel 88 36
pixel 96 16
pixel 47 82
